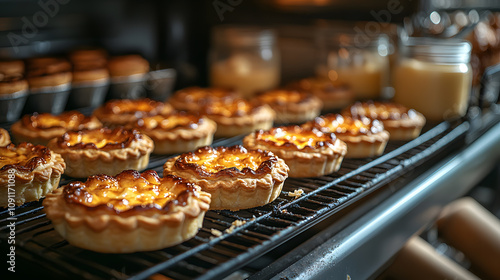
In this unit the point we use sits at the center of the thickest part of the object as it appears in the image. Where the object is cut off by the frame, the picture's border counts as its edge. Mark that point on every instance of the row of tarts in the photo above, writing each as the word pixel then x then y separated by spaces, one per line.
pixel 118 209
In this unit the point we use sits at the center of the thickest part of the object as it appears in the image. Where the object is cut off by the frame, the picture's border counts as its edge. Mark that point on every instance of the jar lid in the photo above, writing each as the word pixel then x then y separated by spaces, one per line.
pixel 439 50
pixel 242 36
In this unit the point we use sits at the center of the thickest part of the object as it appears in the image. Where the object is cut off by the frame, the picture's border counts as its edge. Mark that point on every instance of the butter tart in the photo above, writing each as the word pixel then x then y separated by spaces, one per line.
pixel 28 173
pixel 194 98
pixel 238 116
pixel 127 65
pixel 128 213
pixel 333 96
pixel 236 178
pixel 291 106
pixel 48 72
pixel 40 128
pixel 12 84
pixel 12 67
pixel 4 137
pixel 364 137
pixel 177 132
pixel 121 112
pixel 307 152
pixel 102 151
pixel 402 123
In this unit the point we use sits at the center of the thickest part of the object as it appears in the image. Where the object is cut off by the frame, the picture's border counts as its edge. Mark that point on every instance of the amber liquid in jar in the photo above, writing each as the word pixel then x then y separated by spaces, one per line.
pixel 245 59
pixel 435 79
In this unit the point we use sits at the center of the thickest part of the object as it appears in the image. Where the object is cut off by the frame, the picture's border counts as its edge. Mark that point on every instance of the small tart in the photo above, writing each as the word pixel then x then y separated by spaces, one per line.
pixel 102 151
pixel 125 111
pixel 89 74
pixel 333 97
pixel 48 72
pixel 87 54
pixel 28 173
pixel 13 83
pixel 128 213
pixel 236 178
pixel 194 98
pixel 177 132
pixel 291 106
pixel 402 123
pixel 12 67
pixel 127 65
pixel 364 137
pixel 40 128
pixel 4 137
pixel 308 152
pixel 238 116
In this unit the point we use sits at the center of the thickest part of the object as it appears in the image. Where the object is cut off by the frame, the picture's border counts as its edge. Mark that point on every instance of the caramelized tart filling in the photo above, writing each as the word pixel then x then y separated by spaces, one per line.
pixel 129 190
pixel 24 157
pixel 102 138
pixel 381 111
pixel 234 160
pixel 295 136
pixel 169 122
pixel 229 108
pixel 281 96
pixel 339 124
pixel 71 120
pixel 203 95
pixel 140 107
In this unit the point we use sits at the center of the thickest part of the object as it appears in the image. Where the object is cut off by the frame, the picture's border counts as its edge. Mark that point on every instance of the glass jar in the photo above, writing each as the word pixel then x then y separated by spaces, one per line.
pixel 434 77
pixel 244 58
pixel 355 60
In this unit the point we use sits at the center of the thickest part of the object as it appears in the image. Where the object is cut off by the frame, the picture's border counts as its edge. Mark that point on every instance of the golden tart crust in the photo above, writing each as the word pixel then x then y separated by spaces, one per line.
pixel 10 84
pixel 364 137
pixel 12 67
pixel 177 132
pixel 125 111
pixel 40 128
pixel 238 116
pixel 194 98
pixel 307 152
pixel 102 151
pixel 36 171
pixel 402 123
pixel 333 97
pixel 4 137
pixel 127 65
pixel 48 72
pixel 236 178
pixel 128 213
pixel 291 106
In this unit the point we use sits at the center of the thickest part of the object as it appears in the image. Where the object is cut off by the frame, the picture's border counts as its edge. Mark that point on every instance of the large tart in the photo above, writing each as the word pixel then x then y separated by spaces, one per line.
pixel 238 116
pixel 364 137
pixel 308 152
pixel 194 98
pixel 124 111
pixel 127 213
pixel 40 128
pixel 333 96
pixel 28 173
pixel 402 123
pixel 236 178
pixel 177 132
pixel 291 106
pixel 4 137
pixel 102 151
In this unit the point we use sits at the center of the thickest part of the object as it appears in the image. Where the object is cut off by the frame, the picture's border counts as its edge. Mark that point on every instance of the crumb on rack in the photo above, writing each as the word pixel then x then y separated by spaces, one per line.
pixel 296 193
pixel 216 232
pixel 235 224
